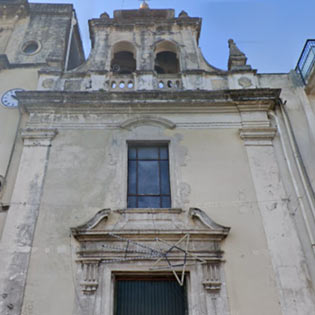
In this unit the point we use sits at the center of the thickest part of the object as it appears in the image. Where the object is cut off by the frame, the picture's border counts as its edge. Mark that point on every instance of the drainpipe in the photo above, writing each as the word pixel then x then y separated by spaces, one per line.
pixel 297 156
pixel 300 167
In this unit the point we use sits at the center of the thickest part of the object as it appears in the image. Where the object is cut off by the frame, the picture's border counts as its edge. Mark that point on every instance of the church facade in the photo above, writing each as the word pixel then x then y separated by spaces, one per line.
pixel 143 180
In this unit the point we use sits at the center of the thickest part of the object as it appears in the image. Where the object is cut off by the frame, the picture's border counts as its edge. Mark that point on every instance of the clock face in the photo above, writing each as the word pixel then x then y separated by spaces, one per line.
pixel 9 98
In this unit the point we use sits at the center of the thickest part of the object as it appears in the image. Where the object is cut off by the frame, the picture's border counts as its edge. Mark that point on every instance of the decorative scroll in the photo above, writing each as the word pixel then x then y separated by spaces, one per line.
pixel 160 240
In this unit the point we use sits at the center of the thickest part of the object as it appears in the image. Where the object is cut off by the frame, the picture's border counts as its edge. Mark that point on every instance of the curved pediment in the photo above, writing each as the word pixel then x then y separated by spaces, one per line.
pixel 158 239
pixel 151 222
pixel 100 216
pixel 147 120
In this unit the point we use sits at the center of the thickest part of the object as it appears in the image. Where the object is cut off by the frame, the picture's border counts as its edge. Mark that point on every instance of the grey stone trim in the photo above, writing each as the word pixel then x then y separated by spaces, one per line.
pixel 4 62
pixel 51 9
pixel 150 101
pixel 16 9
pixel 17 237
pixel 38 137
pixel 147 120
pixel 99 236
pixel 64 125
pixel 207 221
pixel 25 65
pixel 100 215
pixel 258 136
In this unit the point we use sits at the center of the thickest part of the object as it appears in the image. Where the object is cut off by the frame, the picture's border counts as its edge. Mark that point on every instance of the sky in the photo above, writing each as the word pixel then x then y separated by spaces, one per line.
pixel 271 33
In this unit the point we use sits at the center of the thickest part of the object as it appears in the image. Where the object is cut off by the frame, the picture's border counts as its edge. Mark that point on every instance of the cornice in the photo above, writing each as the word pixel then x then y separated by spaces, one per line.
pixel 10 9
pixel 220 101
pixel 146 21
pixel 51 9
pixel 258 136
pixel 38 136
pixel 100 227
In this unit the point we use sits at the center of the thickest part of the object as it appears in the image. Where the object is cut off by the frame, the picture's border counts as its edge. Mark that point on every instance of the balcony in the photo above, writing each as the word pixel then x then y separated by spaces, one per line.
pixel 305 65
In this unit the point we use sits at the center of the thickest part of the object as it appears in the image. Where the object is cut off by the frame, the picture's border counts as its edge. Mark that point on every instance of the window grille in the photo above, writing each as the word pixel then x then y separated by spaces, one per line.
pixel 150 296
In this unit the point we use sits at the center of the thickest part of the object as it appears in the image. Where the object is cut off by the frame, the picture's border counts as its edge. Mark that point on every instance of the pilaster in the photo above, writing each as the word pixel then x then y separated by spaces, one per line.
pixel 296 297
pixel 17 239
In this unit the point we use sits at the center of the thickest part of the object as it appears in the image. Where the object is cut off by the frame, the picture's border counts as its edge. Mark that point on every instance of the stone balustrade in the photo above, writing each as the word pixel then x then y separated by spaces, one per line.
pixel 122 83
pixel 169 82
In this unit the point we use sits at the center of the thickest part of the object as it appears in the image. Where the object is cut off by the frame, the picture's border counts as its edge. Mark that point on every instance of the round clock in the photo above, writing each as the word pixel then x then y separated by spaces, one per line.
pixel 9 99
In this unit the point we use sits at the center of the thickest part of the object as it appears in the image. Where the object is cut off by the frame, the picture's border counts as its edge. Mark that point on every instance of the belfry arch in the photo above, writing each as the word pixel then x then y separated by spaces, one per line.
pixel 166 58
pixel 123 60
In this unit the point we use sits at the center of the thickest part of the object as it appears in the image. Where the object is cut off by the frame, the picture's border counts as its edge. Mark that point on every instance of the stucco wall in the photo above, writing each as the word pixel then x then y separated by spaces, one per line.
pixel 299 111
pixel 9 117
pixel 84 170
pixel 9 120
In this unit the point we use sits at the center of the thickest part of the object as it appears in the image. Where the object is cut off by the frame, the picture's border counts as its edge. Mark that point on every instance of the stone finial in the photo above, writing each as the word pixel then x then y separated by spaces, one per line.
pixel 144 5
pixel 237 59
pixel 183 14
pixel 104 16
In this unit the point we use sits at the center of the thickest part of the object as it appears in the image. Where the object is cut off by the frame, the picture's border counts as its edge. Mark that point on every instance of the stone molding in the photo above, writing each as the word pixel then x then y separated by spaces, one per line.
pixel 51 9
pixel 38 137
pixel 79 125
pixel 237 59
pixel 89 281
pixel 103 239
pixel 219 101
pixel 212 282
pixel 4 62
pixel 147 120
pixel 13 9
pixel 259 136
pixel 206 220
pixel 18 233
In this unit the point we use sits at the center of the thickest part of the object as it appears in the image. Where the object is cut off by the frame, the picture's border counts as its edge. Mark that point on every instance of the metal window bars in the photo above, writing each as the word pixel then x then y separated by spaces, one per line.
pixel 306 61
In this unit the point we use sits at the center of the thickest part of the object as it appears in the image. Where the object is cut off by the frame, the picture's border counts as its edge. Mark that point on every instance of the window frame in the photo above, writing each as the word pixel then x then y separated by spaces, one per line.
pixel 152 143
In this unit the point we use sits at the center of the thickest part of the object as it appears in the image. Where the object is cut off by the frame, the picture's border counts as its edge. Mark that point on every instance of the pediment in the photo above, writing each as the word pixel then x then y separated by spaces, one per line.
pixel 155 240
pixel 148 120
pixel 150 222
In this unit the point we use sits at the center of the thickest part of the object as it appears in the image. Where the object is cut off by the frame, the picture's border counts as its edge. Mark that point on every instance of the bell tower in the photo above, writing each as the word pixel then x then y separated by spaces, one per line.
pixel 141 49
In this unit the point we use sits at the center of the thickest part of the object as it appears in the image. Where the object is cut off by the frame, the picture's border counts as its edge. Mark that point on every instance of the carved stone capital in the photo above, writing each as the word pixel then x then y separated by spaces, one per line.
pixel 38 137
pixel 89 281
pixel 212 282
pixel 258 136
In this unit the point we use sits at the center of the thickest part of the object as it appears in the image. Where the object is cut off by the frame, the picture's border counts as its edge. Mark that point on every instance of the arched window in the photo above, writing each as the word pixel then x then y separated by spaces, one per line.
pixel 123 58
pixel 166 58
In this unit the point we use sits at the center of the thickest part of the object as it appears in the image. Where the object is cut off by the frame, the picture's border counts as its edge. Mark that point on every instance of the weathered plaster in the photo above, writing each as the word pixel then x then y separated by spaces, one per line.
pixel 296 297
pixel 18 234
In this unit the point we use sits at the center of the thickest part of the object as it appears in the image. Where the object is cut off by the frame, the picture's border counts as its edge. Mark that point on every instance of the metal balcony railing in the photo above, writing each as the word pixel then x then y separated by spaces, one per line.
pixel 306 61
